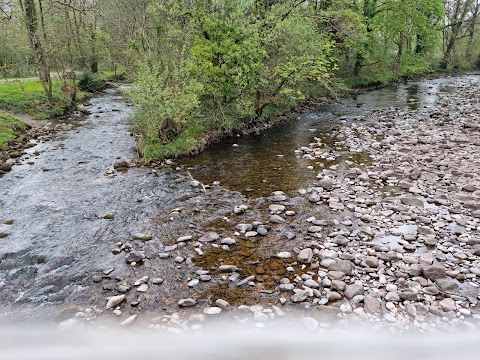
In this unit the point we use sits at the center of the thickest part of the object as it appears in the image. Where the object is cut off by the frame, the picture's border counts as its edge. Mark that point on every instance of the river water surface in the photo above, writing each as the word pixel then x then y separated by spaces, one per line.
pixel 267 162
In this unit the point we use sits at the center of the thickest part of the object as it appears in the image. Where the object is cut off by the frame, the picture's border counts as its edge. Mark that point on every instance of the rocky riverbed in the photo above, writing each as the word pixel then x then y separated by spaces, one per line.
pixel 386 234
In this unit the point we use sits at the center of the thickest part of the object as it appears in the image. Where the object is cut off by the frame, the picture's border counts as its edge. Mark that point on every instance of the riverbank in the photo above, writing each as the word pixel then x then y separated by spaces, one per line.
pixel 195 140
pixel 12 139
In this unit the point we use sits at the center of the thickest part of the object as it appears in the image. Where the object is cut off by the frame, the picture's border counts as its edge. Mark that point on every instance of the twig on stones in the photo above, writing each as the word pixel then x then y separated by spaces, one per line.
pixel 203 186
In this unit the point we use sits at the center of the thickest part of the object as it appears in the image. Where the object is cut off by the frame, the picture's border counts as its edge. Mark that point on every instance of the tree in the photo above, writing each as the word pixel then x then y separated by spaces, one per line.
pixel 37 36
pixel 458 13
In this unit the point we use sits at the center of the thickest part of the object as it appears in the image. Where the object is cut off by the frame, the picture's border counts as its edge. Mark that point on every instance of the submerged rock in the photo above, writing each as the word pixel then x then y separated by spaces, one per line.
pixel 115 300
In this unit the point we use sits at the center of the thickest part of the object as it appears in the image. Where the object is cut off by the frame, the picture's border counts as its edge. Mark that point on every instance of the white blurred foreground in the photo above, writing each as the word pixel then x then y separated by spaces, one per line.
pixel 252 344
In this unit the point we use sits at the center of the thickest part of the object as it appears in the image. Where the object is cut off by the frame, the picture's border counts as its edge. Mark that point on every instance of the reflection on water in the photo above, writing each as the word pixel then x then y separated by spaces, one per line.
pixel 266 162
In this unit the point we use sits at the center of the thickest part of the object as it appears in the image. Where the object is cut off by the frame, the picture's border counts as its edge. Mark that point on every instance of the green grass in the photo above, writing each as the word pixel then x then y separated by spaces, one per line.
pixel 107 75
pixel 10 129
pixel 27 96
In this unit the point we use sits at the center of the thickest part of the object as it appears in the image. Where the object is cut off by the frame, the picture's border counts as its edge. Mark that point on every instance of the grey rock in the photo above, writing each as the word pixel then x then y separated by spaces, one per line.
pixel 469 188
pixel 223 304
pixel 434 272
pixel 259 316
pixel 184 238
pixel 392 296
pixel 372 305
pixel 333 296
pixel 193 283
pixel 346 307
pixel 227 268
pixel 431 290
pixel 279 312
pixel 277 219
pixel 205 277
pixel 134 256
pixel 170 248
pixel 299 296
pixel 228 241
pixel 326 183
pixel 276 209
pixel 130 320
pixel 157 281
pixel 447 285
pixel 305 256
pixel 142 237
pixel 115 300
pixel 187 302
pixel 142 280
pixel 371 261
pixel 244 227
pixel 142 288
pixel 262 231
pixel 448 304
pixel 345 266
pixel 408 295
pixel 335 205
pixel 340 240
pixel 353 290
pixel 410 201
pixel 315 229
pixel 411 310
pixel 123 289
pixel 336 275
pixel 212 310
pixel 338 285
pixel 209 237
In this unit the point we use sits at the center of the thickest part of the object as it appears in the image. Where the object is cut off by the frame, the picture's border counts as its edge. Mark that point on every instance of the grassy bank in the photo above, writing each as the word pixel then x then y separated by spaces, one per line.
pixel 10 129
pixel 199 134
pixel 27 97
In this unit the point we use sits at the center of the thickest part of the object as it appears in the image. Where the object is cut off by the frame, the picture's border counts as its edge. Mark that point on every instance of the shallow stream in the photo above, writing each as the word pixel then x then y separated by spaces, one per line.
pixel 52 205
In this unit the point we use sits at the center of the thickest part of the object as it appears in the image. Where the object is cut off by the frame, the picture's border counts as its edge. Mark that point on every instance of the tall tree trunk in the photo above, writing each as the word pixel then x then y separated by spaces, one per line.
pixel 471 32
pixel 47 58
pixel 29 12
pixel 419 46
pixel 457 21
pixel 77 38
pixel 358 64
pixel 93 49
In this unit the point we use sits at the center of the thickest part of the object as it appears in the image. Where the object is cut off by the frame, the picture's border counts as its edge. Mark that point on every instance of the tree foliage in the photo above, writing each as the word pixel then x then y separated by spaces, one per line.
pixel 200 65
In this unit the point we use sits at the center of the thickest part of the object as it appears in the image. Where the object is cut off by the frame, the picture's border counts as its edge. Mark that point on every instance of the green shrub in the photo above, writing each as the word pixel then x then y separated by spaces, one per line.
pixel 90 82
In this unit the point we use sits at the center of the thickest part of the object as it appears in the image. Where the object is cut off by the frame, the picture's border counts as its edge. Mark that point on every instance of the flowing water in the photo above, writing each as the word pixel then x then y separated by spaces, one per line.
pixel 52 205
pixel 55 201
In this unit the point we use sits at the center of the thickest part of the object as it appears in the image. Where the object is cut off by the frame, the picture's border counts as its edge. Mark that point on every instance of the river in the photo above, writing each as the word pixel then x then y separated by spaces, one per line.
pixel 53 204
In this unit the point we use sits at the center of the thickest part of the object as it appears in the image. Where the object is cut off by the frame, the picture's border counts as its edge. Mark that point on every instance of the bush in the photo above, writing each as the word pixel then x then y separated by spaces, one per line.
pixel 165 101
pixel 91 83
